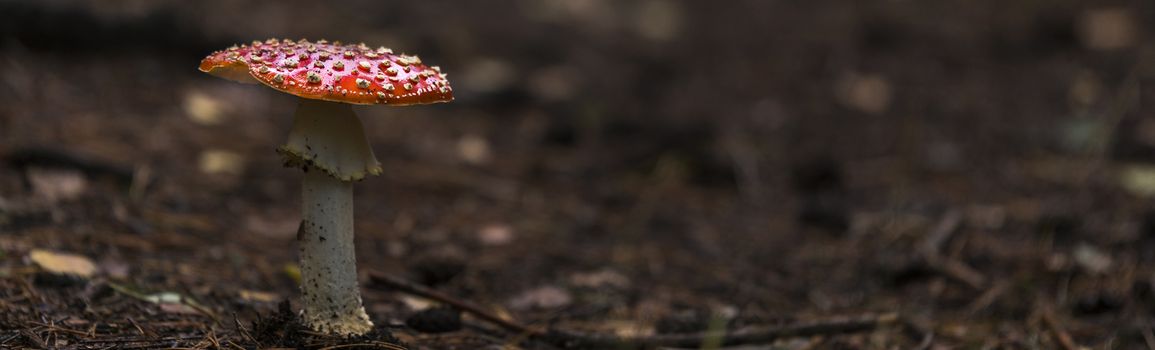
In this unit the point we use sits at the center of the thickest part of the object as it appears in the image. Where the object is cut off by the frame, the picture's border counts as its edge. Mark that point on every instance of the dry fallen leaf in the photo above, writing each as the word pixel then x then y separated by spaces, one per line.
pixel 176 308
pixel 203 109
pixel 599 279
pixel 258 296
pixel 415 303
pixel 495 235
pixel 62 263
pixel 215 161
pixel 169 302
pixel 1091 259
pixel 870 93
pixel 546 297
pixel 1107 29
pixel 115 269
pixel 629 328
pixel 473 149
pixel 1138 179
pixel 57 184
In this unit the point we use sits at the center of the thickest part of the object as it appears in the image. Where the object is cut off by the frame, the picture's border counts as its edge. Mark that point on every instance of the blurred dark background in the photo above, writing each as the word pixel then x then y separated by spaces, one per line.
pixel 769 156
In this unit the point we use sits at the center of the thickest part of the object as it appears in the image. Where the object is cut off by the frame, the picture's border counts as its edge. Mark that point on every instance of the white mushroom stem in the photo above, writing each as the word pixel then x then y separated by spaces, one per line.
pixel 328 266
pixel 329 142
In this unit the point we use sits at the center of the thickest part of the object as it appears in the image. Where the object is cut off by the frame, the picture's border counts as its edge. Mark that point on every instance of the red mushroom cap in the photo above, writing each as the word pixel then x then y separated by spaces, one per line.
pixel 327 71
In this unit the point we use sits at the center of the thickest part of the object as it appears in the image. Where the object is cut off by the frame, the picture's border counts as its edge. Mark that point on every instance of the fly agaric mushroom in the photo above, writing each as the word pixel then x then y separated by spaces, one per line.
pixel 327 137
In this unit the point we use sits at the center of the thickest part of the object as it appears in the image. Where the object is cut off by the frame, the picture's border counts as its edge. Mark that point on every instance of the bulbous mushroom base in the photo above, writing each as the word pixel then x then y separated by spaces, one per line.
pixel 332 302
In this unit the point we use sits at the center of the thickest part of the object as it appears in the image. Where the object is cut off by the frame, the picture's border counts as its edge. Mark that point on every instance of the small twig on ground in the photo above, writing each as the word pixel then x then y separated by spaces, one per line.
pixel 996 291
pixel 927 342
pixel 1060 334
pixel 759 335
pixel 35 339
pixel 140 340
pixel 378 345
pixel 951 268
pixel 139 329
pixel 414 289
pixel 957 271
pixel 943 230
pixel 244 331
pixel 211 337
pixel 571 339
pixel 918 330
pixel 1149 338
pixel 58 328
pixel 234 344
